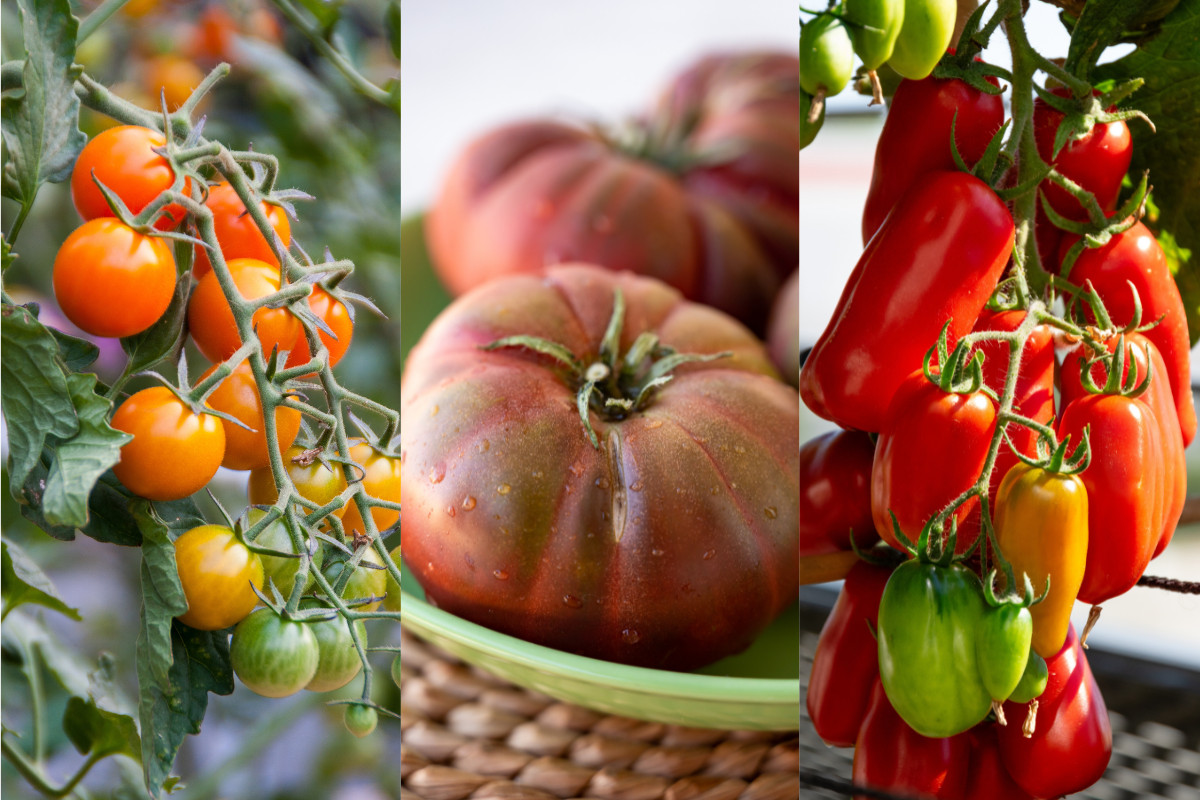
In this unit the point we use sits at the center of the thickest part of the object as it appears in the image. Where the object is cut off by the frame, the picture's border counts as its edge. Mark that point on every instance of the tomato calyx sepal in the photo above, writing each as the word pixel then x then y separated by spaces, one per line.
pixel 1099 231
pixel 613 386
pixel 957 373
pixel 1117 381
pixel 961 62
pixel 1081 114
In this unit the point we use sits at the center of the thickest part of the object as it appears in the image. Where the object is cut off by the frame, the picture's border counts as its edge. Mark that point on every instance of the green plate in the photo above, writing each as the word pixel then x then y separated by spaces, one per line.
pixel 758 689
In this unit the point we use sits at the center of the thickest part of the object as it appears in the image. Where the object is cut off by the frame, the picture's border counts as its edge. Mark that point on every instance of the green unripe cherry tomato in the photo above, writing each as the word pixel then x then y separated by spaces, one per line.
pixel 272 656
pixel 1004 637
pixel 392 601
pixel 826 56
pixel 365 581
pixel 924 37
pixel 877 23
pixel 396 670
pixel 361 720
pixel 809 130
pixel 280 569
pixel 928 622
pixel 1033 680
pixel 337 662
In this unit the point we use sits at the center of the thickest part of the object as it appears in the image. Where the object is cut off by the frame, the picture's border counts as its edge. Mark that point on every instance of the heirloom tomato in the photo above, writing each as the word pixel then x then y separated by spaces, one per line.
pixel 273 656
pixel 217 573
pixel 110 280
pixel 891 756
pixel 1161 401
pixel 1136 257
pixel 932 449
pixel 929 617
pixel 1124 488
pixel 835 492
pixel 670 539
pixel 1072 739
pixel 846 660
pixel 174 452
pixel 237 232
pixel 1097 162
pixel 937 258
pixel 237 396
pixel 722 230
pixel 915 141
pixel 1041 521
pixel 211 322
pixel 123 159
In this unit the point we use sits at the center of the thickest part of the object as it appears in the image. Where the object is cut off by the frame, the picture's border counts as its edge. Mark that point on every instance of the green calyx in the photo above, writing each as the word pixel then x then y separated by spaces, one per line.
pixel 612 385
pixel 958 374
pixel 1117 382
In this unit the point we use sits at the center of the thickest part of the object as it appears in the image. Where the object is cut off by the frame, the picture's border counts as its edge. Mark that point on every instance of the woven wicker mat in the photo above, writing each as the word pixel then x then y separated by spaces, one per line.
pixel 467 734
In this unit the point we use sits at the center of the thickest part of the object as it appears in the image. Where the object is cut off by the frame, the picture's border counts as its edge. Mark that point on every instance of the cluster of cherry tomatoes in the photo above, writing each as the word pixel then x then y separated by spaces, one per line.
pixel 958 458
pixel 114 279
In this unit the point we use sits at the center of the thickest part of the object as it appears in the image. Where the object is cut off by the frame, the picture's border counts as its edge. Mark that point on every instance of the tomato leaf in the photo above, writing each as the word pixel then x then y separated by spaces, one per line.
pixel 22 581
pixel 33 390
pixel 77 354
pixel 79 462
pixel 98 723
pixel 40 124
pixel 1100 25
pixel 391 22
pixel 177 667
pixel 163 338
pixel 1170 63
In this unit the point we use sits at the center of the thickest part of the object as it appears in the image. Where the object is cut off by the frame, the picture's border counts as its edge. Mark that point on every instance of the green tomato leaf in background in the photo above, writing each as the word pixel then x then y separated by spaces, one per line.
pixel 1100 25
pixel 81 460
pixel 422 293
pixel 1170 63
pixel 177 667
pixel 40 124
pixel 22 581
pixel 392 24
pixel 99 723
pixel 33 389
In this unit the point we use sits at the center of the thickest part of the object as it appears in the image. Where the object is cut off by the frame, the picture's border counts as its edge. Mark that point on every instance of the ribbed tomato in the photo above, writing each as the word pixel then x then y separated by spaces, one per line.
pixel 669 542
pixel 703 196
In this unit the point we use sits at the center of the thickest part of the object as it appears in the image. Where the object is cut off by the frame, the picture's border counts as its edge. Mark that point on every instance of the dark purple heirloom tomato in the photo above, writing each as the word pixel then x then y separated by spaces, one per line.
pixel 663 532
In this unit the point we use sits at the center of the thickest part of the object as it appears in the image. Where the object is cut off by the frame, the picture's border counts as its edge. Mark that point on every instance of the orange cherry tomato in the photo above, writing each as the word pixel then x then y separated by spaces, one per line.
pixel 337 317
pixel 122 159
pixel 237 232
pixel 210 320
pixel 216 571
pixel 174 451
pixel 315 482
pixel 381 478
pixel 174 76
pixel 238 395
pixel 111 280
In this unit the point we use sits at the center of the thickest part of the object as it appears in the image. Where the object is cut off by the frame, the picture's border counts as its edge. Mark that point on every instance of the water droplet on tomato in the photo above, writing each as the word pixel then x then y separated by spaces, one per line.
pixel 470 561
pixel 483 445
pixel 537 473
pixel 500 575
pixel 708 554
pixel 503 488
pixel 433 412
pixel 577 469
pixel 451 511
pixel 739 449
pixel 770 512
pixel 571 601
pixel 654 423
pixel 602 483
pixel 636 486
pixel 468 503
pixel 656 552
pixel 630 636
pixel 436 473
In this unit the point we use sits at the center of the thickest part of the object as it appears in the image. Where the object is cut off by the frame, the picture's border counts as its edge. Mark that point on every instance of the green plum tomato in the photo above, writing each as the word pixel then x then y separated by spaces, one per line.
pixel 1002 648
pixel 826 56
pixel 875 24
pixel 924 37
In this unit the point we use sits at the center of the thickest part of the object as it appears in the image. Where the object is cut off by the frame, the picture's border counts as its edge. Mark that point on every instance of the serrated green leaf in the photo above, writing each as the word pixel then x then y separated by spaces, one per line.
pixel 41 125
pixel 177 666
pixel 81 460
pixel 98 724
pixel 35 641
pixel 163 338
pixel 33 390
pixel 22 581
pixel 1170 63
